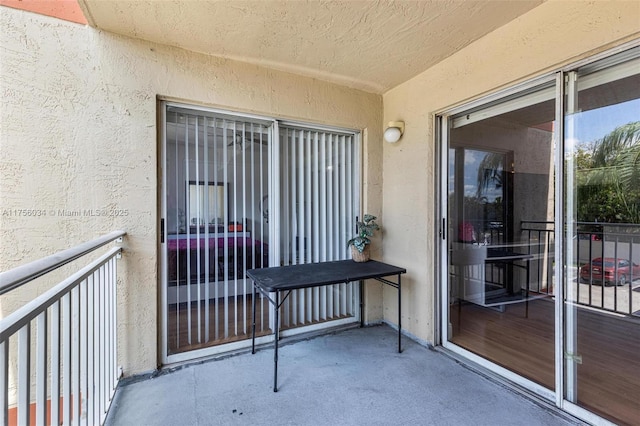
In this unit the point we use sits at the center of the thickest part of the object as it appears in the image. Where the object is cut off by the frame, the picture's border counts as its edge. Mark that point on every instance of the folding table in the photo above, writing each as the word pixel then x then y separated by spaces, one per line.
pixel 285 279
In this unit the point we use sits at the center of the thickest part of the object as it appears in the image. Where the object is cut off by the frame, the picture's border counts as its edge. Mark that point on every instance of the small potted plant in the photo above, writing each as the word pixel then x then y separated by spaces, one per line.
pixel 360 243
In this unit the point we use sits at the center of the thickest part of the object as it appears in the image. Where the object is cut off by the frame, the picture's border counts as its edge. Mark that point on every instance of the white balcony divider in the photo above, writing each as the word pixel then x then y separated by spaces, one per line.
pixel 72 330
pixel 319 207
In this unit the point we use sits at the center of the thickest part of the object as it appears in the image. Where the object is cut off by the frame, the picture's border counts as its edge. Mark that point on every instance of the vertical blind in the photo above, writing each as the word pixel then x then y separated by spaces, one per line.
pixel 218 171
pixel 319 205
pixel 216 182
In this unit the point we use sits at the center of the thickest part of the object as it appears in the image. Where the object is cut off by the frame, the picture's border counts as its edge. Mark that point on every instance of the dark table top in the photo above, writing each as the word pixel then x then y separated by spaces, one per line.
pixel 279 278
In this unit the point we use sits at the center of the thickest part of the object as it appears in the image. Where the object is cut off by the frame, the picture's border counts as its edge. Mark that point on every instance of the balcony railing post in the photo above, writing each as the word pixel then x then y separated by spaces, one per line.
pixel 24 374
pixel 4 382
pixel 41 370
pixel 91 403
pixel 66 358
pixel 114 326
pixel 83 394
pixel 101 344
pixel 55 363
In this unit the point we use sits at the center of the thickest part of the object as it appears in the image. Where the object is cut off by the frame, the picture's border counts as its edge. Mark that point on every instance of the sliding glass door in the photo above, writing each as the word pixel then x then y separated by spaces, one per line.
pixel 242 192
pixel 602 238
pixel 216 181
pixel 500 227
pixel 541 236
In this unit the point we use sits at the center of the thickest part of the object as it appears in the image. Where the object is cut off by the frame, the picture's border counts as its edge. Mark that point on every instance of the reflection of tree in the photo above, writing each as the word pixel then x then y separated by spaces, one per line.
pixel 490 175
pixel 490 171
pixel 608 177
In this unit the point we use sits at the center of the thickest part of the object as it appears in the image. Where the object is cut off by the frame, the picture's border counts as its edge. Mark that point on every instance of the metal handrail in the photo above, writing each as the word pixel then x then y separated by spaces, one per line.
pixel 31 310
pixel 16 277
pixel 69 334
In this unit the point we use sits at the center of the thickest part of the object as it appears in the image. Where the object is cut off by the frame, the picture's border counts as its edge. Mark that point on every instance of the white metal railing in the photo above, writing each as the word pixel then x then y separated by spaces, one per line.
pixel 68 336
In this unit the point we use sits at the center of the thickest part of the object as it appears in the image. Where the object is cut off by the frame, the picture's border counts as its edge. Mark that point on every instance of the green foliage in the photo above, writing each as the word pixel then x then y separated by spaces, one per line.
pixel 608 177
pixel 607 151
pixel 365 230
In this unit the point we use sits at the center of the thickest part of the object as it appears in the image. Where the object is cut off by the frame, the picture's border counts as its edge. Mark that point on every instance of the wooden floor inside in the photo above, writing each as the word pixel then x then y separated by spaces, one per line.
pixel 224 325
pixel 608 379
pixel 228 322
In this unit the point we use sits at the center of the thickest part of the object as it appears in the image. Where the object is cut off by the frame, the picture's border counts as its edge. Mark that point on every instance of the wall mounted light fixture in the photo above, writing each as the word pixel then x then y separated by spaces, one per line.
pixel 394 131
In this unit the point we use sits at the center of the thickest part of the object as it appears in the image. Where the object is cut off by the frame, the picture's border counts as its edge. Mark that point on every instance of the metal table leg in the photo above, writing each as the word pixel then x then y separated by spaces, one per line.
pixel 397 285
pixel 253 332
pixel 276 304
pixel 526 299
pixel 277 337
pixel 399 316
pixel 361 303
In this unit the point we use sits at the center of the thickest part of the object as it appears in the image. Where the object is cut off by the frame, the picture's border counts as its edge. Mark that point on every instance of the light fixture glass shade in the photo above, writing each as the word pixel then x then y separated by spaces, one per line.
pixel 392 134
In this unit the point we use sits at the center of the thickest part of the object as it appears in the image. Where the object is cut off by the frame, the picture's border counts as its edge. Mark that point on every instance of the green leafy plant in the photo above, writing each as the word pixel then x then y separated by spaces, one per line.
pixel 365 230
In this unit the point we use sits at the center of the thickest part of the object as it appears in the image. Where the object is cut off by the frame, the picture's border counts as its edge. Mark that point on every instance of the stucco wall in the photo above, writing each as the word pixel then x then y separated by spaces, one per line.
pixel 79 132
pixel 551 35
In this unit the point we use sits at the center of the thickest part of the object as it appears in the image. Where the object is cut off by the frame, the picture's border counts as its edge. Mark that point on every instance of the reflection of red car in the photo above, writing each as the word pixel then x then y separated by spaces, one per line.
pixel 626 272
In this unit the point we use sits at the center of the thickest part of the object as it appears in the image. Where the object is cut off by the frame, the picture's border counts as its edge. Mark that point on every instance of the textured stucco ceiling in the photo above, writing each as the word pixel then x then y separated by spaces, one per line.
pixel 369 45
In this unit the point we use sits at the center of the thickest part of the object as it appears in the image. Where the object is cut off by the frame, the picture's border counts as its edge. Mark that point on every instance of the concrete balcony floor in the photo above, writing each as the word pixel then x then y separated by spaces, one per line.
pixel 350 377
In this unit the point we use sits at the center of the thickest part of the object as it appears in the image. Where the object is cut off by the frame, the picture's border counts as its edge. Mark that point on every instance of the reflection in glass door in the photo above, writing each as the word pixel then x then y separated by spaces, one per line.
pixel 602 240
pixel 500 234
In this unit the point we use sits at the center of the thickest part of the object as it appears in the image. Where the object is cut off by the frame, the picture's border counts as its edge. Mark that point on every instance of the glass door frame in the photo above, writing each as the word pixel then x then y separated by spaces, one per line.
pixel 274 223
pixel 356 201
pixel 569 83
pixel 272 124
pixel 565 85
pixel 442 122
